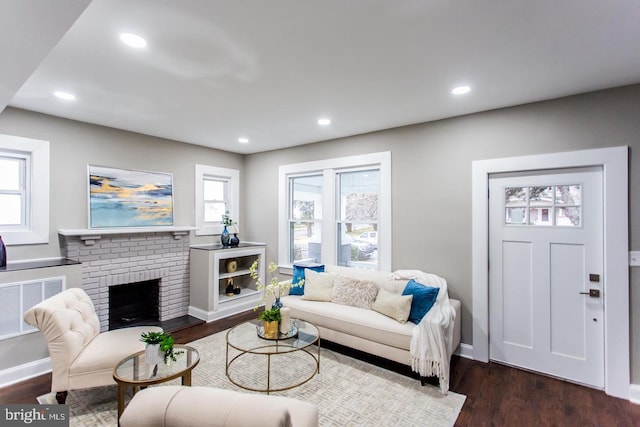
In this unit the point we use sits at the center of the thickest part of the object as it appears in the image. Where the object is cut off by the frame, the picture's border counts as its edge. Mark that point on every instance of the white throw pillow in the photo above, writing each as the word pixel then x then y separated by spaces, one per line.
pixel 318 286
pixel 395 306
pixel 354 292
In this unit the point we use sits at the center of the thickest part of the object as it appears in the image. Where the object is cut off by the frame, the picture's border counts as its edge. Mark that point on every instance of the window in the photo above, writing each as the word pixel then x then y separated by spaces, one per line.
pixel 305 218
pixel 551 205
pixel 217 191
pixel 337 211
pixel 24 190
pixel 358 204
pixel 12 190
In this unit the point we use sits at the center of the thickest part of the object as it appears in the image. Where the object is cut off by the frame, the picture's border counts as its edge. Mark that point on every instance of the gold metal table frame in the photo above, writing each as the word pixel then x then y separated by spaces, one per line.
pixel 244 338
pixel 133 371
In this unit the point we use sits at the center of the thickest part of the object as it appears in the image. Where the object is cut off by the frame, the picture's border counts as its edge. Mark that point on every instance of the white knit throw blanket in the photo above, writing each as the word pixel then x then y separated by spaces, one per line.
pixel 432 341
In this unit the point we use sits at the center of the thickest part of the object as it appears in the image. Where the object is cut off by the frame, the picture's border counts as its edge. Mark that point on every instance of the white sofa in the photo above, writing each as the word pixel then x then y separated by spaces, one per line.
pixel 183 406
pixel 363 329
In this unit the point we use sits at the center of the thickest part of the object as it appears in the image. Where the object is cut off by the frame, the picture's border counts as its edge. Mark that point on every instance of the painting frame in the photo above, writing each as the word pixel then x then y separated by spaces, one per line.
pixel 128 198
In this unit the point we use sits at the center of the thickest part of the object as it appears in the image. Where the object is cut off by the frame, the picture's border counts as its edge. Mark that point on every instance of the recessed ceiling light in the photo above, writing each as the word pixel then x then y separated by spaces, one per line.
pixel 324 121
pixel 243 140
pixel 460 90
pixel 65 95
pixel 133 40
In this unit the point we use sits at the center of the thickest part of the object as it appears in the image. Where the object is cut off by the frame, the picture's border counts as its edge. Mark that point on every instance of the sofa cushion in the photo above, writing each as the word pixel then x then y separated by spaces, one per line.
pixel 353 292
pixel 298 275
pixel 360 322
pixel 318 286
pixel 395 306
pixel 423 299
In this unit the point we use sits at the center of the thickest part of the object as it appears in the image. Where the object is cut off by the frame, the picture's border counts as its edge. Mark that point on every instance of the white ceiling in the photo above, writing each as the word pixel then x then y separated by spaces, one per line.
pixel 214 71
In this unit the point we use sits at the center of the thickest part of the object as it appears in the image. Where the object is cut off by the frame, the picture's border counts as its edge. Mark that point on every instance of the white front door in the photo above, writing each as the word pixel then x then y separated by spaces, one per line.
pixel 545 273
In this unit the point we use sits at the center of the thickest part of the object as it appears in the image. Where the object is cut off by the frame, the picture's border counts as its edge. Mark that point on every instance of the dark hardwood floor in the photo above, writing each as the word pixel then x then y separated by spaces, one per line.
pixel 497 395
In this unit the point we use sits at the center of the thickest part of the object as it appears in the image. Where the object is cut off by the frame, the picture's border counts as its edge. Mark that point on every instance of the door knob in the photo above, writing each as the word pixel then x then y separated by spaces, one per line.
pixel 594 293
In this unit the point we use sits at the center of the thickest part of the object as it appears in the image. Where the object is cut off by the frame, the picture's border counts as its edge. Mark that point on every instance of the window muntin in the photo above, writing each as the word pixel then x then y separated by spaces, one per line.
pixel 548 206
pixel 305 218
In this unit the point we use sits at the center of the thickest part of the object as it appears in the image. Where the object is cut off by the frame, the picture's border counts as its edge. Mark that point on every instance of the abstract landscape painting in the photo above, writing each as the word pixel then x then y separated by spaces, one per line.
pixel 129 198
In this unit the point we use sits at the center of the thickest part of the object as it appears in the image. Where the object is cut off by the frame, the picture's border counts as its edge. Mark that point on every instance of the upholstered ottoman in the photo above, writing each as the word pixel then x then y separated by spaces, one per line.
pixel 182 406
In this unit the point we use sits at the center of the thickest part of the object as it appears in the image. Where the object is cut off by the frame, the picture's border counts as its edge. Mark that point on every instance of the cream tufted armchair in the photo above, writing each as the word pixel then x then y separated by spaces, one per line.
pixel 81 356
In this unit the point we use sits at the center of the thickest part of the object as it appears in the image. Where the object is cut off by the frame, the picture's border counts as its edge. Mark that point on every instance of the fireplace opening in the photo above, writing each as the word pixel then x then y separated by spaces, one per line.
pixel 134 304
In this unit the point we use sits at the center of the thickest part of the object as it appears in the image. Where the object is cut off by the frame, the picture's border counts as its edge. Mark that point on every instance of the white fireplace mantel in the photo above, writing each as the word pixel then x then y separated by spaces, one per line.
pixel 90 235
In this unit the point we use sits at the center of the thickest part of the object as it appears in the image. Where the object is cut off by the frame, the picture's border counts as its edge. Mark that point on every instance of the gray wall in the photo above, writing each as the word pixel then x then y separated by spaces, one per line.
pixel 431 174
pixel 73 145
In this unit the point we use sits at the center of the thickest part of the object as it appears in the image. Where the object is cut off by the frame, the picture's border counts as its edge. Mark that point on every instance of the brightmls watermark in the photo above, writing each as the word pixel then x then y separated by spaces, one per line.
pixel 34 415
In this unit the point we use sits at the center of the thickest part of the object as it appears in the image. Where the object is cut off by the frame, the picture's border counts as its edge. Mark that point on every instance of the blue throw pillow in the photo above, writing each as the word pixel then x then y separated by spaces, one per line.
pixel 298 274
pixel 423 299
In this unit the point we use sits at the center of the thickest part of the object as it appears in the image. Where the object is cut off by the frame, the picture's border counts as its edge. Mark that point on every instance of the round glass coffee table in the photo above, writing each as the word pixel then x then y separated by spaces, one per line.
pixel 251 358
pixel 133 371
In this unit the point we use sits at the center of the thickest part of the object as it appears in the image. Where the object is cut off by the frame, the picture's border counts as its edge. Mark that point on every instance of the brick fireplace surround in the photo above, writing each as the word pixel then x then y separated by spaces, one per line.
pixel 117 259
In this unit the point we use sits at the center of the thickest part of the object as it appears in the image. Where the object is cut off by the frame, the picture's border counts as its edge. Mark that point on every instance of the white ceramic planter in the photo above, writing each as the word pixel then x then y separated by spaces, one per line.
pixel 152 354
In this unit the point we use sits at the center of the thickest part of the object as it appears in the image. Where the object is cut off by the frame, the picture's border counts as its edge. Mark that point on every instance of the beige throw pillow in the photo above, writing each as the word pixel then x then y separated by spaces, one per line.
pixel 395 306
pixel 354 292
pixel 318 286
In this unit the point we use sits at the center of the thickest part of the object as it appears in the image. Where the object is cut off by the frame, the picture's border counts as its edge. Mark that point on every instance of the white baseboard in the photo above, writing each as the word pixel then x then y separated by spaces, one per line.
pixel 207 316
pixel 465 350
pixel 634 394
pixel 24 372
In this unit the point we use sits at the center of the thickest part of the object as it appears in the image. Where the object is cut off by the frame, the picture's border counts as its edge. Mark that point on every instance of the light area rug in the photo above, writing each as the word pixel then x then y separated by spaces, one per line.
pixel 347 391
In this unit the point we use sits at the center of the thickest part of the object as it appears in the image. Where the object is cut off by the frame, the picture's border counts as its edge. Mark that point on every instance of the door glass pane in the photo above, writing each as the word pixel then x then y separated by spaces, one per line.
pixel 568 195
pixel 540 216
pixel 514 216
pixel 541 196
pixel 569 216
pixel 305 241
pixel 515 196
pixel 11 211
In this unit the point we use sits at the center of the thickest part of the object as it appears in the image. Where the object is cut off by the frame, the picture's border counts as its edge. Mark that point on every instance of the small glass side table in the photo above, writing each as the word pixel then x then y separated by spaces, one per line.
pixel 133 371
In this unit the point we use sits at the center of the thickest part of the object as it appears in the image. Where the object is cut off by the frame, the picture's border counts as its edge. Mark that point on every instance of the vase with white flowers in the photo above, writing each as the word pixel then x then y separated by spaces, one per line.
pixel 274 287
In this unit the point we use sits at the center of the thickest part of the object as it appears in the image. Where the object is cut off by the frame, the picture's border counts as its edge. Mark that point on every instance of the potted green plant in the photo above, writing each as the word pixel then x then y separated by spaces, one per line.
pixel 159 343
pixel 270 318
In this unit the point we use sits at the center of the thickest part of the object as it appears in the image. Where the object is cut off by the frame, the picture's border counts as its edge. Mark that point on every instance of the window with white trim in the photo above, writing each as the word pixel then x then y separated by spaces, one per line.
pixel 337 211
pixel 13 194
pixel 24 190
pixel 217 192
